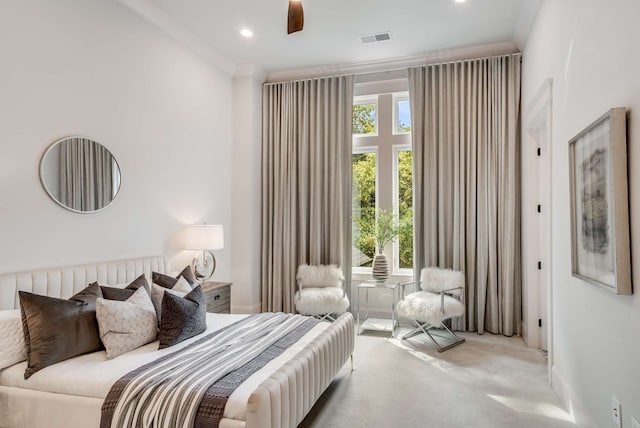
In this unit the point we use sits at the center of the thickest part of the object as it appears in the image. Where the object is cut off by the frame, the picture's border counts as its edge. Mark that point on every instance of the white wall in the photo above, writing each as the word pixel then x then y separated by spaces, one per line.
pixel 93 68
pixel 589 49
pixel 246 189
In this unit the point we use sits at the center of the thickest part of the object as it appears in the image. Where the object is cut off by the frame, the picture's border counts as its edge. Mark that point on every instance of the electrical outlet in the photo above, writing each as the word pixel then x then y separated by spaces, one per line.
pixel 635 423
pixel 616 412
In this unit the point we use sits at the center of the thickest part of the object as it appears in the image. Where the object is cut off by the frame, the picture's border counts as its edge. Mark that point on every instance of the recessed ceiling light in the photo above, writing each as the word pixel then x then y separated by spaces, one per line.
pixel 245 32
pixel 460 1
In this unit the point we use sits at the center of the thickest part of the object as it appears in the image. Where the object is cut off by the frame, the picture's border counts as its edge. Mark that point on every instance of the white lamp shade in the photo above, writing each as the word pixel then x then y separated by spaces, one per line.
pixel 204 237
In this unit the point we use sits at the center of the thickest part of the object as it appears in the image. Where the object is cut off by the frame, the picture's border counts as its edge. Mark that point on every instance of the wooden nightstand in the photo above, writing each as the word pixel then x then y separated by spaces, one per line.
pixel 218 296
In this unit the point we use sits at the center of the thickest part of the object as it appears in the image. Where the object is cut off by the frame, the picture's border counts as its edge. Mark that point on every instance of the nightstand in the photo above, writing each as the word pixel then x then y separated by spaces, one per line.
pixel 218 296
pixel 376 324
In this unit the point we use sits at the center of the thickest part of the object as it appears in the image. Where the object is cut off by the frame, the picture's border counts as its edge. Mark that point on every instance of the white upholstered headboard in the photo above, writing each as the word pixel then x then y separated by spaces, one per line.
pixel 66 281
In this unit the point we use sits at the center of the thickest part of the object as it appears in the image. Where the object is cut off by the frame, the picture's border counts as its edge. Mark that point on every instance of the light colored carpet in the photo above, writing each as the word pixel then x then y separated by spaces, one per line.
pixel 489 381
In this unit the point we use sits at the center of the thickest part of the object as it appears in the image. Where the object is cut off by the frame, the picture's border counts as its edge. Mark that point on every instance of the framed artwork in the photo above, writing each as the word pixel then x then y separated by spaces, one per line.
pixel 600 252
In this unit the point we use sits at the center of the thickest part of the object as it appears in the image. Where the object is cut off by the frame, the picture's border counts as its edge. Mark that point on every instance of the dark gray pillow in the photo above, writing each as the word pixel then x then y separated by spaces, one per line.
pixel 182 317
pixel 122 294
pixel 115 293
pixel 88 295
pixel 58 329
pixel 167 281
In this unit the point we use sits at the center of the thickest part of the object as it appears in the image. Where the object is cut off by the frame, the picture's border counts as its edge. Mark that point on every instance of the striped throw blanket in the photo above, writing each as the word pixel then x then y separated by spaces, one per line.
pixel 179 390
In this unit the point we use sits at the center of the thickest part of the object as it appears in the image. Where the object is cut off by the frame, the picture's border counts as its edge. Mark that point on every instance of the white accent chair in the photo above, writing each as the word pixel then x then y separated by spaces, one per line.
pixel 441 298
pixel 321 292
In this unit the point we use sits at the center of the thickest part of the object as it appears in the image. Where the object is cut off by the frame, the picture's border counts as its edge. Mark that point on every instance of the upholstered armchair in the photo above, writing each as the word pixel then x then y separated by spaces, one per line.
pixel 440 298
pixel 321 292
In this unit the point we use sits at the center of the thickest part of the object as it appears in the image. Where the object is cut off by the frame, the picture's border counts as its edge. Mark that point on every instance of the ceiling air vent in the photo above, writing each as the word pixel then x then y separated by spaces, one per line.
pixel 379 37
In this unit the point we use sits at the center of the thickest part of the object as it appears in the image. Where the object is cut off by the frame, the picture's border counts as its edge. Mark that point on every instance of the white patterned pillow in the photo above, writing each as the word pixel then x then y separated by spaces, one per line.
pixel 127 325
pixel 181 288
pixel 12 347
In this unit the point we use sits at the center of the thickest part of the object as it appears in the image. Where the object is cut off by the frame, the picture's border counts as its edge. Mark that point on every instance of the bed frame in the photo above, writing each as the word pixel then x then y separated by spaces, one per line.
pixel 282 400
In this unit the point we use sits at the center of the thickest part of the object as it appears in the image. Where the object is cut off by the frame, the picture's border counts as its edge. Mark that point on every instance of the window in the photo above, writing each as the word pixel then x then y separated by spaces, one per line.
pixel 403 203
pixel 401 114
pixel 382 177
pixel 365 116
pixel 363 207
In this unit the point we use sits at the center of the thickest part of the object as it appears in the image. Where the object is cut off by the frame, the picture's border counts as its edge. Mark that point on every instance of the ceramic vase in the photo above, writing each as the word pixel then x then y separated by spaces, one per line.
pixel 380 267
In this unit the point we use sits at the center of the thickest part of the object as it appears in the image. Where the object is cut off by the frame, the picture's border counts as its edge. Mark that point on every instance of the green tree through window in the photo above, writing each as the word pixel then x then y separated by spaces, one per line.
pixel 364 207
pixel 364 118
pixel 405 208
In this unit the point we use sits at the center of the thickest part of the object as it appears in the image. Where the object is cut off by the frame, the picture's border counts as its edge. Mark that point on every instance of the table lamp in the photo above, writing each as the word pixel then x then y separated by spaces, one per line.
pixel 204 238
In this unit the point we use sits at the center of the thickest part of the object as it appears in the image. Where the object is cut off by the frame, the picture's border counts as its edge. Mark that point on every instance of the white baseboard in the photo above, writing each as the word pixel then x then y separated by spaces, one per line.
pixel 252 309
pixel 571 402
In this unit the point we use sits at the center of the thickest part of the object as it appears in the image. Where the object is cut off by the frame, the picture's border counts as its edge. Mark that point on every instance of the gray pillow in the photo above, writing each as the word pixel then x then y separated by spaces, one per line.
pixel 122 294
pixel 167 281
pixel 115 293
pixel 58 329
pixel 88 295
pixel 182 317
pixel 181 288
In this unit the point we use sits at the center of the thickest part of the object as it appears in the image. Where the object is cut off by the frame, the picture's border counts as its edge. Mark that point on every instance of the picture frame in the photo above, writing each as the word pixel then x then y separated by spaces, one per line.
pixel 600 242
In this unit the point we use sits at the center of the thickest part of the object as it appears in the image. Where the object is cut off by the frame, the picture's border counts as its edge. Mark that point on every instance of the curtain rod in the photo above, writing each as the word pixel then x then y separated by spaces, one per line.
pixel 470 59
pixel 310 78
pixel 391 70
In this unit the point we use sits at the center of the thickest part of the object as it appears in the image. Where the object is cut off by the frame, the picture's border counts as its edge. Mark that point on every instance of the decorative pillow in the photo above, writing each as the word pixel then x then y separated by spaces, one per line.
pixel 57 329
pixel 88 295
pixel 12 346
pixel 184 317
pixel 181 288
pixel 115 293
pixel 127 325
pixel 122 294
pixel 167 281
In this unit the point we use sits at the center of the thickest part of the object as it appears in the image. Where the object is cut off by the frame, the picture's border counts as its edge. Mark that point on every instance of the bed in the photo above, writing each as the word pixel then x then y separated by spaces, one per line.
pixel 71 393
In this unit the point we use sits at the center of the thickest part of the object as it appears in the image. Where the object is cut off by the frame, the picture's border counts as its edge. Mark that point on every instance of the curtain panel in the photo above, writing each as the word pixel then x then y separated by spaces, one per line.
pixel 86 174
pixel 306 182
pixel 466 151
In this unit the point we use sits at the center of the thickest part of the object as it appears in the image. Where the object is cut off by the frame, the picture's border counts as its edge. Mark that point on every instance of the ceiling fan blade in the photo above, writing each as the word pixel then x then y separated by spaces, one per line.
pixel 295 20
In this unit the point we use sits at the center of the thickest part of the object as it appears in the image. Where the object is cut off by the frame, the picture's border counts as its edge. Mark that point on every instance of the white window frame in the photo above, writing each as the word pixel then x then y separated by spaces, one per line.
pixel 397 148
pixel 368 99
pixel 397 97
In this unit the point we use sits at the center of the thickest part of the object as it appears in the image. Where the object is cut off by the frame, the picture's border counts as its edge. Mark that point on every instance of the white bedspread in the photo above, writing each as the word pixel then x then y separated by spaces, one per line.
pixel 92 375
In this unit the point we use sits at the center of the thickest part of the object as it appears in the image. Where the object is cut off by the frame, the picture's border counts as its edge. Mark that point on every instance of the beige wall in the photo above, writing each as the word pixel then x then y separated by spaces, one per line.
pixel 93 68
pixel 589 49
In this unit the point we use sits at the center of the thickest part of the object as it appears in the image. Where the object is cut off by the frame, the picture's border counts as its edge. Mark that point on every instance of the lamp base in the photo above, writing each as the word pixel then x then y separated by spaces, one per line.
pixel 203 265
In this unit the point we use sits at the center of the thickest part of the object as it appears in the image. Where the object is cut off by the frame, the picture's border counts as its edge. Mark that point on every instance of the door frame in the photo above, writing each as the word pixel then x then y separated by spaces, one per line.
pixel 537 134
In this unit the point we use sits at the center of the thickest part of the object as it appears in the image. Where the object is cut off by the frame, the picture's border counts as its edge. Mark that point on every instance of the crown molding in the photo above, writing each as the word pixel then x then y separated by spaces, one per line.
pixel 153 14
pixel 389 67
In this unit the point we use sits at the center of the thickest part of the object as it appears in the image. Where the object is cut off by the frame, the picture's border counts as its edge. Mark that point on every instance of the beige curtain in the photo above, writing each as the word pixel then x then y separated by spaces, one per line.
pixel 86 174
pixel 466 151
pixel 306 182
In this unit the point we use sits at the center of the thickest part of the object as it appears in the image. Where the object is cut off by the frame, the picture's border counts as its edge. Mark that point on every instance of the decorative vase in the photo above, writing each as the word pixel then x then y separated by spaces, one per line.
pixel 380 267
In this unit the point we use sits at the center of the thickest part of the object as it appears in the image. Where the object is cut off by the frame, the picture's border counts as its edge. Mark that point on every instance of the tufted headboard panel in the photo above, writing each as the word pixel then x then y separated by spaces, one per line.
pixel 65 282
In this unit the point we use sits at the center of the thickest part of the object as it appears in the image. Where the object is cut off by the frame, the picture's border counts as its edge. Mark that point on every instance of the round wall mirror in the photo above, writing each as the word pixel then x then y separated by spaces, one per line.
pixel 80 174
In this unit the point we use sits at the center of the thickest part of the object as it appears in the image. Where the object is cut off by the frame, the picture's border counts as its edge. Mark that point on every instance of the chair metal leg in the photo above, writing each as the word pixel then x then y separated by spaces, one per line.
pixel 416 331
pixel 459 340
pixel 325 317
pixel 426 329
pixel 351 362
